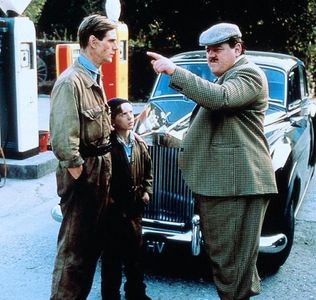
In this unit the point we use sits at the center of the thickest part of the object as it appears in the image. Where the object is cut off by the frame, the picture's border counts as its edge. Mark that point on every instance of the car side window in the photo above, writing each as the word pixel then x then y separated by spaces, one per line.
pixel 294 87
pixel 303 82
pixel 276 82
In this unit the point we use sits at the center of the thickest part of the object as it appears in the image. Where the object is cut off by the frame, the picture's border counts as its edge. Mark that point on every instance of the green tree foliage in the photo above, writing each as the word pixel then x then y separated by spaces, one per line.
pixel 266 24
pixel 60 18
pixel 172 26
pixel 34 10
pixel 302 42
pixel 271 25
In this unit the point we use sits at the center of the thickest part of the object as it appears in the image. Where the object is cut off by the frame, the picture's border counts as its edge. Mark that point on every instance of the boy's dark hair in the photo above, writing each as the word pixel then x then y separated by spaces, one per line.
pixel 115 105
pixel 96 25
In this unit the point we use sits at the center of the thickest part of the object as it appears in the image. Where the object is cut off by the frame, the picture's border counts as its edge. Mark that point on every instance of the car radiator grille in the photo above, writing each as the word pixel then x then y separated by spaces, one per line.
pixel 172 200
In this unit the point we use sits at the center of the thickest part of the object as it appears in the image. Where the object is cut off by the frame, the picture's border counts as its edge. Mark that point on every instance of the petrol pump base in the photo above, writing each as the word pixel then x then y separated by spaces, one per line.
pixel 31 168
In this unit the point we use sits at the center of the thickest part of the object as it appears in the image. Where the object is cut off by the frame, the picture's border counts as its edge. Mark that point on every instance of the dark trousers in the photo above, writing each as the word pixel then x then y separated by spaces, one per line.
pixel 231 229
pixel 123 251
pixel 80 242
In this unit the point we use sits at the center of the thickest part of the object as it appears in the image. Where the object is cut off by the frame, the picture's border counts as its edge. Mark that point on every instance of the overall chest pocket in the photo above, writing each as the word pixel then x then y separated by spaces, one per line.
pixel 93 122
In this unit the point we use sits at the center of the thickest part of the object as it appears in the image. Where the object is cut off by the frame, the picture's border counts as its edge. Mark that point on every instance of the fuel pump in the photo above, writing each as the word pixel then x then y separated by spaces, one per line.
pixel 65 56
pixel 18 82
pixel 115 74
pixel 3 31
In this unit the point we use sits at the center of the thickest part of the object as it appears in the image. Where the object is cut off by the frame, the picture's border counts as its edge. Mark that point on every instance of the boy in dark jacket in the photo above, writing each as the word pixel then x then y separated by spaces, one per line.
pixel 130 189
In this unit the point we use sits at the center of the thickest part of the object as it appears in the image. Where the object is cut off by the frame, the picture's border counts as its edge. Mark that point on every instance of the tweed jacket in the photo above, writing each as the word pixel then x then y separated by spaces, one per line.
pixel 79 114
pixel 225 152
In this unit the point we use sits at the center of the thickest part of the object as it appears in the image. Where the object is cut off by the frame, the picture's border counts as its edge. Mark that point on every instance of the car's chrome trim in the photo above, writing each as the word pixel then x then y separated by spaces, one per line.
pixel 56 213
pixel 181 236
pixel 163 223
pixel 268 244
pixel 196 236
pixel 298 206
pixel 292 171
pixel 272 244
pixel 192 235
pixel 171 201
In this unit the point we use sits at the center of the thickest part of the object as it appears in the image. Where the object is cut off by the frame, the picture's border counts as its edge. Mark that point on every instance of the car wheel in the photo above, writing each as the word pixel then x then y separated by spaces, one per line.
pixel 269 263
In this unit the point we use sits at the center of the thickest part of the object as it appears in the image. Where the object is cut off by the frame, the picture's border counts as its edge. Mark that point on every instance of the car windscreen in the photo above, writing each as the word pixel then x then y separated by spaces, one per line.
pixel 159 114
pixel 276 81
pixel 201 69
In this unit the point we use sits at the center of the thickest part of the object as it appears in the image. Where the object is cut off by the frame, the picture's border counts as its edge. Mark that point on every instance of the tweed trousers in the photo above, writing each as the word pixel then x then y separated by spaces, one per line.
pixel 231 229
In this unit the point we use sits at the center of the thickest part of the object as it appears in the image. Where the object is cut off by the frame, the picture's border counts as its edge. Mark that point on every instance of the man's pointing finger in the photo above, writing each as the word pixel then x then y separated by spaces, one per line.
pixel 154 55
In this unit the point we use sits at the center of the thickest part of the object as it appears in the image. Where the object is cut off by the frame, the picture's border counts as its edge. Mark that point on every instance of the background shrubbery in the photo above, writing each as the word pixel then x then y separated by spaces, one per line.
pixel 287 26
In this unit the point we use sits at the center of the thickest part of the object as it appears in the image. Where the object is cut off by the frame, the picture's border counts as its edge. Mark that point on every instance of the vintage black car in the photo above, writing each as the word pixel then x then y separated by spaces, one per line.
pixel 289 128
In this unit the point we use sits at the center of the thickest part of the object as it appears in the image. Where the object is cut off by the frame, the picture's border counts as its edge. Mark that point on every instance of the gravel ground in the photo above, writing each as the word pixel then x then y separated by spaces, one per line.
pixel 28 243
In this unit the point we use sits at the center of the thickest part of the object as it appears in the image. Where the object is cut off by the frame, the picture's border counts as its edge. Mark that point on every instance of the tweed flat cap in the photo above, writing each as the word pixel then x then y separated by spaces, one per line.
pixel 219 33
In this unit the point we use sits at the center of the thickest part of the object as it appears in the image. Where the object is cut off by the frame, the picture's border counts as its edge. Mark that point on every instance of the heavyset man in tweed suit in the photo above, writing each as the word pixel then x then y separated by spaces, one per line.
pixel 225 157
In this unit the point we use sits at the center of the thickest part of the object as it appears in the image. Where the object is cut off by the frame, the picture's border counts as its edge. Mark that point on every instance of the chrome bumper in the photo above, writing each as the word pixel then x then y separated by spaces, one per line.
pixel 268 244
pixel 192 236
pixel 56 213
pixel 272 244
